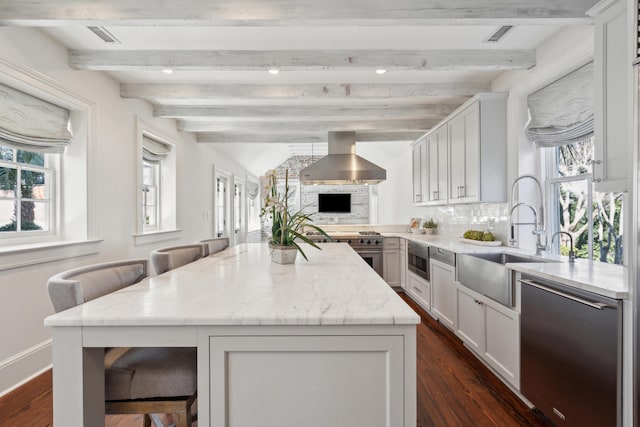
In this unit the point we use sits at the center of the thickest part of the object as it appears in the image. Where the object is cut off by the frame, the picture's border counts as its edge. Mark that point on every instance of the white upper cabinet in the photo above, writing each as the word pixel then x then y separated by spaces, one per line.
pixel 437 166
pixel 464 152
pixel 464 158
pixel 420 173
pixel 613 99
pixel 478 150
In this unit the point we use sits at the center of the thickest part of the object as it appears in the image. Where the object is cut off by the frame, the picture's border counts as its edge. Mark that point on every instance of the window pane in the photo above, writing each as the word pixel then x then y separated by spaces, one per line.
pixel 150 216
pixel 149 196
pixel 607 227
pixel 7 215
pixel 35 216
pixel 573 213
pixel 147 174
pixel 8 178
pixel 30 158
pixel 576 159
pixel 33 185
pixel 6 153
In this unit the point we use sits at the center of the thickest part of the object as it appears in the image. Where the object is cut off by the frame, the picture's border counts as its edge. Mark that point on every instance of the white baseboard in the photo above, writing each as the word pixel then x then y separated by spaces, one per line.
pixel 24 366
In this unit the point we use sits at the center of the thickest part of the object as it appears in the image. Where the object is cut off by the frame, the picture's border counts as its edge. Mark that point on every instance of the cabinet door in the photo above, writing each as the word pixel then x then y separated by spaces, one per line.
pixel 470 189
pixel 391 266
pixel 419 173
pixel 503 341
pixel 464 155
pixel 613 102
pixel 419 290
pixel 471 327
pixel 443 287
pixel 403 263
pixel 437 166
pixel 456 156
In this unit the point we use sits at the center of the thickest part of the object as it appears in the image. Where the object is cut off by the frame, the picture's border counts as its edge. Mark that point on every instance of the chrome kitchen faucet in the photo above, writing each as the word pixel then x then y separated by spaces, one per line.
pixel 538 217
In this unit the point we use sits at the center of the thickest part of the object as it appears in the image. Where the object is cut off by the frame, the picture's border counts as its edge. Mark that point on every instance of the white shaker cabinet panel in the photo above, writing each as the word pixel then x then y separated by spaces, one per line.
pixel 443 288
pixel 438 166
pixel 420 186
pixel 471 328
pixel 613 101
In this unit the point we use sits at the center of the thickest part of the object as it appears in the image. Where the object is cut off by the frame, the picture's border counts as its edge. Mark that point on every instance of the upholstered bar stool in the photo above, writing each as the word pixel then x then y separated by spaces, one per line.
pixel 215 245
pixel 166 259
pixel 144 380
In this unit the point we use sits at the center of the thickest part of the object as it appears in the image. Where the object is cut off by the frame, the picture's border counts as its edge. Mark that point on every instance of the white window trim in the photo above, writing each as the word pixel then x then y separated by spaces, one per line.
pixel 67 242
pixel 167 228
pixel 226 175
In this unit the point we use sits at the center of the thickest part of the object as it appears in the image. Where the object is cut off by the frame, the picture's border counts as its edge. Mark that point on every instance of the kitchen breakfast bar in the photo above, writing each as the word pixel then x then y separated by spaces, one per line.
pixel 324 342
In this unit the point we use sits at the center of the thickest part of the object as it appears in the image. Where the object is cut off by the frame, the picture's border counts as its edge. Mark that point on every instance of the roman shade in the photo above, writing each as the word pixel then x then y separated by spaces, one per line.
pixel 252 190
pixel 154 150
pixel 562 112
pixel 30 123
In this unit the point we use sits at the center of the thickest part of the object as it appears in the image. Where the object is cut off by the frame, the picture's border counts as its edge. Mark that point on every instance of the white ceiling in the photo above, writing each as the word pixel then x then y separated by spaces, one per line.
pixel 285 31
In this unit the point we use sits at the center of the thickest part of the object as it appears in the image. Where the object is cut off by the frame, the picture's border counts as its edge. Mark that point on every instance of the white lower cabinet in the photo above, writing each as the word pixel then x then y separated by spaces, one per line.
pixel 419 290
pixel 391 261
pixel 471 328
pixel 403 263
pixel 492 331
pixel 443 288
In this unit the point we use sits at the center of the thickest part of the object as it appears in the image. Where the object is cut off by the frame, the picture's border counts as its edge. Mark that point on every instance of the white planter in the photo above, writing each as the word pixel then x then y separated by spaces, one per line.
pixel 429 230
pixel 283 254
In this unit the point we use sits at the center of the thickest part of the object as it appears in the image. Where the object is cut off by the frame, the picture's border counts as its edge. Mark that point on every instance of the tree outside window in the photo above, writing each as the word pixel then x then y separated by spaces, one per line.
pixel 25 191
pixel 593 219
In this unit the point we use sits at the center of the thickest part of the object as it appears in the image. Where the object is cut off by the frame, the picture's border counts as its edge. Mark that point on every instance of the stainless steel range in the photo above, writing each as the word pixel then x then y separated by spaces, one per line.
pixel 368 244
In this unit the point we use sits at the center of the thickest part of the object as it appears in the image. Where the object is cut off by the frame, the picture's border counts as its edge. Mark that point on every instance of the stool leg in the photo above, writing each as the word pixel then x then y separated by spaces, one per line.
pixel 146 420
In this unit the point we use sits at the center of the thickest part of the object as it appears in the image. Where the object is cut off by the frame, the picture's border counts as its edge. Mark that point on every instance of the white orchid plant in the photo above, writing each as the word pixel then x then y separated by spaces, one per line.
pixel 286 227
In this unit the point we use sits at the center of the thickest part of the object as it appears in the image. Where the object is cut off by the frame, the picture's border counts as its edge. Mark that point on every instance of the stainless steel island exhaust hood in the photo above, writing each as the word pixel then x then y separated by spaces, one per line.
pixel 342 165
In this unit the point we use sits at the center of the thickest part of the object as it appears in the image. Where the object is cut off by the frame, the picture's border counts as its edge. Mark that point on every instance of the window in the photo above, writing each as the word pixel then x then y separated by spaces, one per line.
pixel 253 204
pixel 221 206
pixel 150 191
pixel 593 219
pixel 237 207
pixel 26 189
pixel 157 187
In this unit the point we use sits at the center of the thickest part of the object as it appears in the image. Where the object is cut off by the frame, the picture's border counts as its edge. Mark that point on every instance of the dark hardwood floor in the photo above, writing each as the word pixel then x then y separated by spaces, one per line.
pixel 454 389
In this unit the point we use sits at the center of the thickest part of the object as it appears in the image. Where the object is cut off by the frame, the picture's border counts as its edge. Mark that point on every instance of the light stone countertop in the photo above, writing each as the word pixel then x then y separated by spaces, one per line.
pixel 604 279
pixel 241 286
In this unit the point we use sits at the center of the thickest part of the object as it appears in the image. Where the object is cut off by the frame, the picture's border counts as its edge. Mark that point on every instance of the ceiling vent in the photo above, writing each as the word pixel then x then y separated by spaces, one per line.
pixel 498 34
pixel 104 34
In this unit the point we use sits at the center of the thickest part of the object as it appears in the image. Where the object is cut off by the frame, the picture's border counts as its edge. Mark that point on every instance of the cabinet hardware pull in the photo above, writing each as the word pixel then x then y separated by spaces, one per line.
pixel 415 288
pixel 598 305
pixel 596 162
pixel 598 180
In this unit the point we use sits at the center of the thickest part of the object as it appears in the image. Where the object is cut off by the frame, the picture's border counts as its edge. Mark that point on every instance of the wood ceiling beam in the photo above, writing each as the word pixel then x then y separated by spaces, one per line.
pixel 212 92
pixel 293 12
pixel 290 126
pixel 301 60
pixel 300 138
pixel 304 112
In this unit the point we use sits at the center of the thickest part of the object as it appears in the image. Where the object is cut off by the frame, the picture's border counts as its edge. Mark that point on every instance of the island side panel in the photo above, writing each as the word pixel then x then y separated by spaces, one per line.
pixel 78 380
pixel 315 376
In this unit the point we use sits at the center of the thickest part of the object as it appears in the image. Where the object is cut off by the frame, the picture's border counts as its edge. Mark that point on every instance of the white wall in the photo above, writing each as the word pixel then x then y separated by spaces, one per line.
pixel 25 341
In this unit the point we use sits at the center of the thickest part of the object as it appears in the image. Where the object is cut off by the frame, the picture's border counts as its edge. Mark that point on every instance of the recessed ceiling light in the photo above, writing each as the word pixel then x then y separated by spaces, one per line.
pixel 167 71
pixel 380 71
pixel 274 71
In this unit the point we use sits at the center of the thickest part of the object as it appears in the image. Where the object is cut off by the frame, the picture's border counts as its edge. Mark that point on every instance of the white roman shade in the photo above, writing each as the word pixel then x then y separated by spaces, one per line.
pixel 562 112
pixel 30 123
pixel 154 150
pixel 252 190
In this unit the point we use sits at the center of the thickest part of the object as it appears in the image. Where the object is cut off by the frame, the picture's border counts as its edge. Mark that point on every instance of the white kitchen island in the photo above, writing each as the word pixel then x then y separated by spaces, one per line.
pixel 320 343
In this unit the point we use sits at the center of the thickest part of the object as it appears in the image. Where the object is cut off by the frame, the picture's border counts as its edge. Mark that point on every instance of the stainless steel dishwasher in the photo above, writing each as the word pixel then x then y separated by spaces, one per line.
pixel 571 358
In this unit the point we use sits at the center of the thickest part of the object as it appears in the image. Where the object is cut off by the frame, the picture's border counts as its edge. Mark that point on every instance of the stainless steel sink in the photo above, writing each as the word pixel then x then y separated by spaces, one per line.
pixel 486 274
pixel 504 258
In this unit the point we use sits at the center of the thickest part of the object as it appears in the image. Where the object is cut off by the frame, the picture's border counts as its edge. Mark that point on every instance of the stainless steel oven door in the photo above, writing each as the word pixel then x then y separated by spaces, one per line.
pixel 373 258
